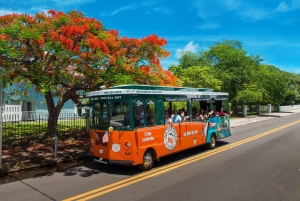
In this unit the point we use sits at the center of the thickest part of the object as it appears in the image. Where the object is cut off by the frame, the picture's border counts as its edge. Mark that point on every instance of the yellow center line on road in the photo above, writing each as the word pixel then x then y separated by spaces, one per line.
pixel 143 176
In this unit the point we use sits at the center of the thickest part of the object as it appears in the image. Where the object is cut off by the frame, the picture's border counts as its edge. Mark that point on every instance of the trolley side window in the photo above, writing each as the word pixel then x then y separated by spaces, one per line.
pixel 120 116
pixel 151 113
pixel 139 113
pixel 100 115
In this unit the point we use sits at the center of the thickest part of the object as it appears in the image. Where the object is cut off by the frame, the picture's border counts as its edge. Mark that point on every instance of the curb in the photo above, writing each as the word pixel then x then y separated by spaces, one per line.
pixel 253 122
pixel 271 117
pixel 53 163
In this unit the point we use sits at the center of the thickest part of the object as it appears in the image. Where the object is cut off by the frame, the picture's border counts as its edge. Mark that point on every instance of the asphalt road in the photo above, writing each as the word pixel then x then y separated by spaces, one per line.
pixel 259 161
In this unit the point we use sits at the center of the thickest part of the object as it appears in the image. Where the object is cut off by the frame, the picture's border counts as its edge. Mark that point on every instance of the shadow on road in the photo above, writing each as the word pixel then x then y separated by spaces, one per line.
pixel 132 170
pixel 86 167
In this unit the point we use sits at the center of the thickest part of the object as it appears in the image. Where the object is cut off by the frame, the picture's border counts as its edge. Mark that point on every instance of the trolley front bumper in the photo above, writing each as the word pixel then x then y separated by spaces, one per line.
pixel 113 162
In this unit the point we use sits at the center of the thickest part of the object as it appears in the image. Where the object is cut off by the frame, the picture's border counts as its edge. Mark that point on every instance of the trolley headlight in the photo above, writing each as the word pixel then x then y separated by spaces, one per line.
pixel 128 144
pixel 110 129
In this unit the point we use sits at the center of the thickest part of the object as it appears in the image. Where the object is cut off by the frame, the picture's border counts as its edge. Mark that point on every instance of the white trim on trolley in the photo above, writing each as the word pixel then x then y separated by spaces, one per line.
pixel 194 94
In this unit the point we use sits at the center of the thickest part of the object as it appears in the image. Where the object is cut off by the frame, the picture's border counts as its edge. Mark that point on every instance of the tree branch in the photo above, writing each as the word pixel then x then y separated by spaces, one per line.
pixel 51 59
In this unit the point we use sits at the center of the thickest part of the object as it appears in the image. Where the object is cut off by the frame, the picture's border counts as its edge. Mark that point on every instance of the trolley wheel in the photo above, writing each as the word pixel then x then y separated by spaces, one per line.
pixel 148 161
pixel 212 143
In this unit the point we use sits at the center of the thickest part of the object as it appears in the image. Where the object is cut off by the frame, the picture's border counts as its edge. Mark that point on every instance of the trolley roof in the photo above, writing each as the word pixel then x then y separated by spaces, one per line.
pixel 163 88
pixel 150 89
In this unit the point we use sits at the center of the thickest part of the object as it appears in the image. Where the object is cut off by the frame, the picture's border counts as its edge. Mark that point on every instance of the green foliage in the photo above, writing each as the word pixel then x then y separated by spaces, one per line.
pixel 232 66
pixel 200 77
pixel 293 87
pixel 122 79
pixel 273 82
pixel 189 59
pixel 175 105
pixel 250 94
pixel 176 70
pixel 225 66
pixel 60 54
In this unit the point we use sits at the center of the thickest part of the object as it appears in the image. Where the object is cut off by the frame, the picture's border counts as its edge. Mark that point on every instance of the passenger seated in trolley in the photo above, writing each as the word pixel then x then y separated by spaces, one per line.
pixel 150 119
pixel 185 116
pixel 182 116
pixel 209 115
pixel 223 113
pixel 168 120
pixel 176 117
pixel 204 114
pixel 198 117
pixel 140 117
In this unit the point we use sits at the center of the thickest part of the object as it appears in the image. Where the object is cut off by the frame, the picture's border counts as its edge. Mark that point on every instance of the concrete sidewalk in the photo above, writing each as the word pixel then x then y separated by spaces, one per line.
pixel 235 122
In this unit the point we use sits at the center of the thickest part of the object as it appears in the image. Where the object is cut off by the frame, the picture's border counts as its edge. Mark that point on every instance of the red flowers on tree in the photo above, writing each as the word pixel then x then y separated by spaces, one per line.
pixel 61 53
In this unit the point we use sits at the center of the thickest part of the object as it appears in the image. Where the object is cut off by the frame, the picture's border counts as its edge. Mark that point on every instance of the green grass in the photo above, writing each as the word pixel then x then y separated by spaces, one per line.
pixel 34 130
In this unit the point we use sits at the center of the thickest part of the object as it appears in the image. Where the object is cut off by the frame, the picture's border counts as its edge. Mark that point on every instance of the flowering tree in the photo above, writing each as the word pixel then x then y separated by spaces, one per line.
pixel 60 54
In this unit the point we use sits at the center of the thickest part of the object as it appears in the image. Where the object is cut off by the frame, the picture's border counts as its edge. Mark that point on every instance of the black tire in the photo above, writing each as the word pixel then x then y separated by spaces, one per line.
pixel 213 142
pixel 148 160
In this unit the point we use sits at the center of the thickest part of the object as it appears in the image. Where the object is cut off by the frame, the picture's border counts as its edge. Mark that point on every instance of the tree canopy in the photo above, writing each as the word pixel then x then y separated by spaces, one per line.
pixel 62 53
pixel 226 66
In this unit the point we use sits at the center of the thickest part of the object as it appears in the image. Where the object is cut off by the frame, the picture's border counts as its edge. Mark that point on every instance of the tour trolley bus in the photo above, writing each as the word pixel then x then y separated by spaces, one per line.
pixel 128 124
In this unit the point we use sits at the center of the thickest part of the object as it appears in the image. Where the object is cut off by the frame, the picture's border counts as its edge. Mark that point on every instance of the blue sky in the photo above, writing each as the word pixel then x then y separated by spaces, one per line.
pixel 267 28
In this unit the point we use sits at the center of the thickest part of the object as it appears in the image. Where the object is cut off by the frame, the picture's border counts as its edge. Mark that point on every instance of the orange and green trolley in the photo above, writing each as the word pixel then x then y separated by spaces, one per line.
pixel 129 125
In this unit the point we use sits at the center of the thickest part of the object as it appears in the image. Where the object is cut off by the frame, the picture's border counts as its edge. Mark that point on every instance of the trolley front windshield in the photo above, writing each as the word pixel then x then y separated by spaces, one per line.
pixel 111 113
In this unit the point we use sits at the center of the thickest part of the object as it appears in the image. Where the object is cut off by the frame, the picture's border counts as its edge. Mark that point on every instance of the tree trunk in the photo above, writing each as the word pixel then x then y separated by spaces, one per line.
pixel 52 124
pixel 52 115
pixel 54 110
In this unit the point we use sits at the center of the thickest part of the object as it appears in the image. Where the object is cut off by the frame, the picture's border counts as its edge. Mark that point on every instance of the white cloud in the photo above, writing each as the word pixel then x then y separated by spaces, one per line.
pixel 250 11
pixel 50 3
pixel 189 47
pixel 207 9
pixel 34 6
pixel 282 7
pixel 161 10
pixel 5 12
pixel 39 9
pixel 123 9
pixel 232 4
pixel 246 10
pixel 30 11
pixel 255 13
pixel 119 10
pixel 71 2
pixel 295 4
pixel 247 40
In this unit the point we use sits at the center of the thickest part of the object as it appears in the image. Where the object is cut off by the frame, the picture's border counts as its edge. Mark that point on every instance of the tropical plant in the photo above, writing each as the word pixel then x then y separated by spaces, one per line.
pixel 60 54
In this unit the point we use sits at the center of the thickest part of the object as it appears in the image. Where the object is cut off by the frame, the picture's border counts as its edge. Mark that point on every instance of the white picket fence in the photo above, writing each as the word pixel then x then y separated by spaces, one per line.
pixel 289 107
pixel 11 113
